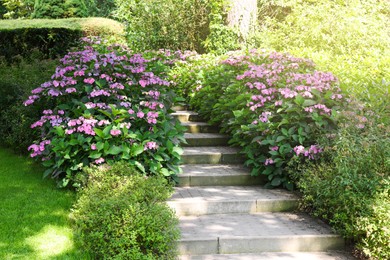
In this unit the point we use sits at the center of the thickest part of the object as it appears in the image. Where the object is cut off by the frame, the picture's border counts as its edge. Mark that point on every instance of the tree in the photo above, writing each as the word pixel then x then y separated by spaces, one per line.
pixel 59 9
pixel 13 9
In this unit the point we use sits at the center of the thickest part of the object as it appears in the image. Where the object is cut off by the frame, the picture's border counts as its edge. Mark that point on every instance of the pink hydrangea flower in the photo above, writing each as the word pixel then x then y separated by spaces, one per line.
pixel 99 161
pixel 89 80
pixel 140 114
pixel 115 132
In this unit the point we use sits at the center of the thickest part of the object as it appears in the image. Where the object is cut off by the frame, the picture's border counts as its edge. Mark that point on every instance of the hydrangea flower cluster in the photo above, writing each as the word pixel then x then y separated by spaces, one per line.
pixel 105 105
pixel 270 103
pixel 290 102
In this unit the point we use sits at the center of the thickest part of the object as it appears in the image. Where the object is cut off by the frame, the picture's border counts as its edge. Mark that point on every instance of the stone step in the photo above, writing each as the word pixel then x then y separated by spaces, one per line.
pixel 197 201
pixel 217 175
pixel 179 107
pixel 339 255
pixel 211 155
pixel 255 233
pixel 187 116
pixel 206 139
pixel 200 127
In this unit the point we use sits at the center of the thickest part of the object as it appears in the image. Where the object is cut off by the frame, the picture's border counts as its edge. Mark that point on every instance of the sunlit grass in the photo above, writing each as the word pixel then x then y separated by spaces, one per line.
pixel 34 214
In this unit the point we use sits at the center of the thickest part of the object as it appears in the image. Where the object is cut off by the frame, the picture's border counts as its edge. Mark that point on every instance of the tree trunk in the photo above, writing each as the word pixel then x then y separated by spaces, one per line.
pixel 242 15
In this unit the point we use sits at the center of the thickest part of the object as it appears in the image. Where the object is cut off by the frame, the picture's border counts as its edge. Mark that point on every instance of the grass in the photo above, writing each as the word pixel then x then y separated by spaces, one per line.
pixel 34 214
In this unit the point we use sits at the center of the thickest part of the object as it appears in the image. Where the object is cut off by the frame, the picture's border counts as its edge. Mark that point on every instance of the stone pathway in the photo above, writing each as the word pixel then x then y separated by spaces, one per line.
pixel 226 214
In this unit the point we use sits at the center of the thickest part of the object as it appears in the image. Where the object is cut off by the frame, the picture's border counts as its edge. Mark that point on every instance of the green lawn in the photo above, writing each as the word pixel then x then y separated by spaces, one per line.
pixel 34 222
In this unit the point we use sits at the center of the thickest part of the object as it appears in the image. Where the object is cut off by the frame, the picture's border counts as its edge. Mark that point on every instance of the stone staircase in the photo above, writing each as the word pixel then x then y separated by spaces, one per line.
pixel 226 214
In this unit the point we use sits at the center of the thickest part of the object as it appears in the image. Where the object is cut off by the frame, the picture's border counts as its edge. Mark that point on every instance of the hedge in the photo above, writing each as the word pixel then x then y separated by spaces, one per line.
pixel 51 37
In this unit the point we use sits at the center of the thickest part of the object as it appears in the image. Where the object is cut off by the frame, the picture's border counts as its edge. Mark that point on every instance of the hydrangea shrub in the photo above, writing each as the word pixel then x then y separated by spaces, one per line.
pixel 106 104
pixel 274 105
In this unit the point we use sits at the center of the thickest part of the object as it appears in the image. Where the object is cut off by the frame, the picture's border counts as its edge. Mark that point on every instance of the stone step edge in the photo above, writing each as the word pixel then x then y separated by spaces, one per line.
pixel 330 255
pixel 258 244
pixel 205 139
pixel 198 206
pixel 187 116
pixel 190 180
pixel 200 127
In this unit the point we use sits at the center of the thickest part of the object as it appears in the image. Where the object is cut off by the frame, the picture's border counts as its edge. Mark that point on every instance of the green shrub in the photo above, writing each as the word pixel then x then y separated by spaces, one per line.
pixel 14 9
pixel 59 9
pixel 52 37
pixel 350 187
pixel 169 24
pixel 121 214
pixel 375 227
pixel 100 8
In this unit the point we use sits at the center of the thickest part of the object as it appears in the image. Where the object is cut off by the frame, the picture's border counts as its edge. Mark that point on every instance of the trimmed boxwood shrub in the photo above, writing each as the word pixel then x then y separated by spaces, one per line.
pixel 121 214
pixel 52 37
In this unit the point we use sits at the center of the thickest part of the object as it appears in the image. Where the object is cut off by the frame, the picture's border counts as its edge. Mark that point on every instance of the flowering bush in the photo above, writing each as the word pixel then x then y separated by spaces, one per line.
pixel 349 186
pixel 106 104
pixel 274 105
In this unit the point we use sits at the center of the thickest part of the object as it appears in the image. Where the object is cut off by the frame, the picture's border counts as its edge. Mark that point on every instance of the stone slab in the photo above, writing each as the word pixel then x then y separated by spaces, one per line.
pixel 186 116
pixel 218 175
pixel 200 127
pixel 211 155
pixel 334 255
pixel 230 199
pixel 206 139
pixel 259 232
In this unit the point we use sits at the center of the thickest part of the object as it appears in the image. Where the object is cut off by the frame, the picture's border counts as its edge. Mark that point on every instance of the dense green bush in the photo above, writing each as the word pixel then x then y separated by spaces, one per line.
pixel 13 9
pixel 350 187
pixel 274 105
pixel 121 214
pixel 52 37
pixel 100 8
pixel 17 81
pixel 59 9
pixel 169 24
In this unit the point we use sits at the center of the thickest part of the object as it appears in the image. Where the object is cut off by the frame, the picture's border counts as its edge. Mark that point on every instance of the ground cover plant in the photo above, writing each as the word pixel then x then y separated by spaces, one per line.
pixel 34 213
pixel 121 214
pixel 274 105
pixel 106 104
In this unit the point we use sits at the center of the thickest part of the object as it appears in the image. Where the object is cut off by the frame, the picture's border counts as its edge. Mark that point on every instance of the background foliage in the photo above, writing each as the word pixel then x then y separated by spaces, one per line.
pixel 59 9
pixel 170 24
pixel 349 38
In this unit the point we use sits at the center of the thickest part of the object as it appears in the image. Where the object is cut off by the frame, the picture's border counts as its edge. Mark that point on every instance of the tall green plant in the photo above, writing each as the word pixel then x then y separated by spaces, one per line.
pixel 59 9
pixel 350 187
pixel 172 24
pixel 222 38
pixel 100 8
pixel 13 9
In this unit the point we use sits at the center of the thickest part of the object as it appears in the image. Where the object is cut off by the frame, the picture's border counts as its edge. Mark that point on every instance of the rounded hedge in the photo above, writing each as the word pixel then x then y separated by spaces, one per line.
pixel 121 214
